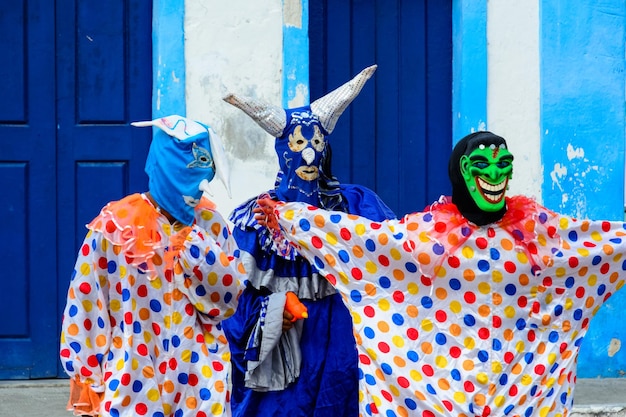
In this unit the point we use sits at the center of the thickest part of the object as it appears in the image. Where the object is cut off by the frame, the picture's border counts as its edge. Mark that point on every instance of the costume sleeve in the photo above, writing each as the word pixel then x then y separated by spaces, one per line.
pixel 86 332
pixel 364 259
pixel 212 271
pixel 593 260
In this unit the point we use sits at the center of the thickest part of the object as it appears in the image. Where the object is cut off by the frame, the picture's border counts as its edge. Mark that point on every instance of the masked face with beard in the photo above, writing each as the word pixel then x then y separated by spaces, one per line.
pixel 480 168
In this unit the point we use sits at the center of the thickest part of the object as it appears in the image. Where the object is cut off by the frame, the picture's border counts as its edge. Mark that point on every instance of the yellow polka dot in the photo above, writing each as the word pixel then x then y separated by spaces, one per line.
pixel 331 238
pixel 360 229
pixel 455 307
pixel 384 305
pixel 441 361
pixel 467 252
pixel 371 267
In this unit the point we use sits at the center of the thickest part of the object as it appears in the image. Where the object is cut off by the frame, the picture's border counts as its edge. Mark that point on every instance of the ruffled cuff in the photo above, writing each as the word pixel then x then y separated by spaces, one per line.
pixel 83 401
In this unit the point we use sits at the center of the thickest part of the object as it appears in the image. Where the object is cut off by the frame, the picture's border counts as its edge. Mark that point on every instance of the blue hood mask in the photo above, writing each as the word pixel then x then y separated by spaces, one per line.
pixel 184 157
pixel 301 145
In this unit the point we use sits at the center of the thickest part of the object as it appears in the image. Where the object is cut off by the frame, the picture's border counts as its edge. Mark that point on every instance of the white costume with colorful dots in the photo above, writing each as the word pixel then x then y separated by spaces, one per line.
pixel 453 319
pixel 141 327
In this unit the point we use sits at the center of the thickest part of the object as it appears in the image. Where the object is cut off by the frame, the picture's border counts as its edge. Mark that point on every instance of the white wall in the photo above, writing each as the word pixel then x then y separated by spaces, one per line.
pixel 235 46
pixel 513 87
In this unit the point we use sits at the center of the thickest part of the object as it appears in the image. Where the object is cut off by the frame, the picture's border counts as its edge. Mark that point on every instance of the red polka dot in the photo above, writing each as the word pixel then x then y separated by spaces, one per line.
pixel 469 297
pixel 218 366
pixel 403 382
pixel 440 227
pixel 364 359
pixel 345 234
pixel 369 311
pixel 481 242
pixel 510 267
pixel 573 262
pixel 398 296
pixel 85 250
pixel 110 226
pixel 357 273
pixel 468 386
pixel 383 260
pixel 141 409
pixel 85 288
pixel 383 347
pixel 483 333
pixel 454 262
pixel 491 232
pixel 606 226
pixel 428 370
pixel 316 242
pixel 455 352
pixel 412 333
pixel 441 316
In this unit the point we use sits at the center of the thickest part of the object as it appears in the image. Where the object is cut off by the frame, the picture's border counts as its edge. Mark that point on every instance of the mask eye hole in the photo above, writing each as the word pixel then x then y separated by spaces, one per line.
pixel 297 142
pixel 318 141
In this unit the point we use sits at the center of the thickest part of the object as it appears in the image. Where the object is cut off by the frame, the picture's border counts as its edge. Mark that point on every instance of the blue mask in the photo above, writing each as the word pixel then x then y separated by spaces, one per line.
pixel 179 162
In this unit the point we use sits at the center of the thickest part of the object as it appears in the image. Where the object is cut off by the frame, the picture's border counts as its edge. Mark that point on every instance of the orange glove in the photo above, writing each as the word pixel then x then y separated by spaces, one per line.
pixel 295 307
pixel 264 213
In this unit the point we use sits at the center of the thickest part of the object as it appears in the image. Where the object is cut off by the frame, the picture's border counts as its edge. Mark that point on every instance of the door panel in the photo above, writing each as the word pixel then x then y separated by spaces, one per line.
pixel 65 149
pixel 396 136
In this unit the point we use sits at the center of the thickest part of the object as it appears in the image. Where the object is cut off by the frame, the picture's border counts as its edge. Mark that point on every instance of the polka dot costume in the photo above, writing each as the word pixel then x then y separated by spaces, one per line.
pixel 453 319
pixel 143 335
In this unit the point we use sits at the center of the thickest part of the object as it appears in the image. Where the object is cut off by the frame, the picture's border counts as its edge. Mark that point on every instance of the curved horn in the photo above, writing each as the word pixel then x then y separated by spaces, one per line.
pixel 272 119
pixel 330 107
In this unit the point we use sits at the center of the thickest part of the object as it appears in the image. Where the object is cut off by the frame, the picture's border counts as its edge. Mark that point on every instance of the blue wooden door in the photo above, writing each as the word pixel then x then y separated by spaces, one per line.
pixel 396 137
pixel 78 72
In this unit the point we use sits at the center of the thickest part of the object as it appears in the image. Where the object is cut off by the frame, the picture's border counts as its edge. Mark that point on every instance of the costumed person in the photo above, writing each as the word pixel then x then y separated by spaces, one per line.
pixel 306 368
pixel 156 274
pixel 476 306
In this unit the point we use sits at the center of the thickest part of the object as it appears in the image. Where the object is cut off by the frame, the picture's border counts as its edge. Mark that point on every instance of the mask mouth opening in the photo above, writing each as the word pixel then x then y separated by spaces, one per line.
pixel 492 193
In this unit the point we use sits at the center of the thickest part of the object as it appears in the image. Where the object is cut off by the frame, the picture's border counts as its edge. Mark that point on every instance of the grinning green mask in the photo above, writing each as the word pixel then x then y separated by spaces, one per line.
pixel 487 171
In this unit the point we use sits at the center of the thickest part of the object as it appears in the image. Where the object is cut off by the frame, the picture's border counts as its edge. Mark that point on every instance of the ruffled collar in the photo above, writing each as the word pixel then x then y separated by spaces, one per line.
pixel 532 227
pixel 142 232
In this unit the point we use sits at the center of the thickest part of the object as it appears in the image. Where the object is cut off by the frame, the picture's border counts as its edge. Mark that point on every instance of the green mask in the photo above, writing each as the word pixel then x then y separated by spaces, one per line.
pixel 487 171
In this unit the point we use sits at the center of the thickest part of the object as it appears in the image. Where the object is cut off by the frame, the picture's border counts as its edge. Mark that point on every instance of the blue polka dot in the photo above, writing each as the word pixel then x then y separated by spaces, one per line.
pixel 388 370
pixel 430 389
pixel 508 409
pixel 483 356
pixel 578 314
pixel 455 375
pixel 205 394
pixel 344 256
pixel 520 324
pixel 175 341
pixel 440 339
pixel 183 378
pixel 370 245
pixel 438 249
pixel 553 336
pixel 410 404
pixel 510 289
pixel 572 235
pixel 412 356
pixel 335 218
pixel 111 267
pixel 319 264
pixel 210 258
pixel 529 357
pixel 355 296
pixel 601 289
pixel 569 282
pixel 411 267
pixel 397 319
pixel 113 384
pixel 503 379
pixel 194 251
pixel 494 254
pixel 427 302
pixel 137 386
pixel 469 320
pixel 455 284
pixel 194 357
pixel 483 265
pixel 101 323
pixel 384 282
pixel 369 332
pixel 304 225
pixel 529 412
pixel 200 291
pixel 125 294
pixel 72 311
pixel 496 345
pixel 155 305
pixel 136 327
pixel 558 310
pixel 369 380
pixel 75 347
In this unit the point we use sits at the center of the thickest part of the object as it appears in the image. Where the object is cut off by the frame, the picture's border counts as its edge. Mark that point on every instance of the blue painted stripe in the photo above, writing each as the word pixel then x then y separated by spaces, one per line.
pixel 582 138
pixel 469 96
pixel 295 53
pixel 168 58
pixel 582 107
